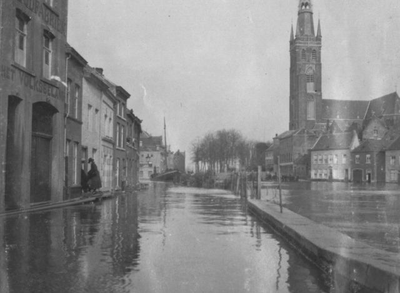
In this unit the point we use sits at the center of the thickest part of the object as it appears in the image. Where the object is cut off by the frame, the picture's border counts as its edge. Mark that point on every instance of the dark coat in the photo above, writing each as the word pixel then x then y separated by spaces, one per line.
pixel 84 181
pixel 94 177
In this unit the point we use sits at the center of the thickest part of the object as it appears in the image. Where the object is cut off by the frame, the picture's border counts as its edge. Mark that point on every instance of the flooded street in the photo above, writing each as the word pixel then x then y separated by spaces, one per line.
pixel 159 240
pixel 366 212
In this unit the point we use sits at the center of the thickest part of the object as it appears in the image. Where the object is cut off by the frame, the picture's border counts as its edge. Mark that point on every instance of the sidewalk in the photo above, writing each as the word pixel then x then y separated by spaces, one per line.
pixel 334 252
pixel 85 198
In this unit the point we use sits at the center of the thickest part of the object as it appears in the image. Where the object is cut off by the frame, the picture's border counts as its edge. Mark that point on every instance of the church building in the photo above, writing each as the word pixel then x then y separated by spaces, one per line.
pixel 310 115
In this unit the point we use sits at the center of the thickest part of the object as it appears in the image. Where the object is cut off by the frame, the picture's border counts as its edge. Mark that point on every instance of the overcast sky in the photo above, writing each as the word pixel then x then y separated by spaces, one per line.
pixel 213 64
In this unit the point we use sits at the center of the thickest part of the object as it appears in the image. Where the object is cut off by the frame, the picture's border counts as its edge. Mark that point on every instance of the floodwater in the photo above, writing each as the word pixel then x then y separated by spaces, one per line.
pixel 160 240
pixel 366 212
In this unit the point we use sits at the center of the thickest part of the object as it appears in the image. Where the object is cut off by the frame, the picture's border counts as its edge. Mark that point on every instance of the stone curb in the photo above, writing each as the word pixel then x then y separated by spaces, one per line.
pixel 336 253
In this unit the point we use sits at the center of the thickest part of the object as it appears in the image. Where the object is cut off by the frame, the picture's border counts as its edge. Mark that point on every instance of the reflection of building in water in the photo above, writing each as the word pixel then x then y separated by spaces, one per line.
pixel 3 261
pixel 67 248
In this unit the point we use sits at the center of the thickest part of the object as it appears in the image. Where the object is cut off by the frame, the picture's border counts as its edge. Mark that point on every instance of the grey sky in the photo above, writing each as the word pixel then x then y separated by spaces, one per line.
pixel 214 64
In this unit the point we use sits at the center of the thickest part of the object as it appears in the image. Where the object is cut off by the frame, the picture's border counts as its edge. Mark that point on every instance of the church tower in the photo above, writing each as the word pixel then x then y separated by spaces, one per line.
pixel 305 70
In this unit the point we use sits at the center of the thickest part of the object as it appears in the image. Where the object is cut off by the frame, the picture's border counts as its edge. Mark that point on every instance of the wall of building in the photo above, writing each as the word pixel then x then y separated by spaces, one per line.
pixel 73 129
pixel 32 162
pixel 331 164
pixel 392 166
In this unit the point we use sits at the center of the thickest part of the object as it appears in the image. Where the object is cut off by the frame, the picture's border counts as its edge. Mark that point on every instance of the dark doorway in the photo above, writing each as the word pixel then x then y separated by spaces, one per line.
pixel 13 157
pixel 369 177
pixel 42 134
pixel 357 176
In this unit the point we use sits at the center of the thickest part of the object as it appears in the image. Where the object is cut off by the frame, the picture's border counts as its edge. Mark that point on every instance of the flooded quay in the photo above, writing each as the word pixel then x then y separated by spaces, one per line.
pixel 164 239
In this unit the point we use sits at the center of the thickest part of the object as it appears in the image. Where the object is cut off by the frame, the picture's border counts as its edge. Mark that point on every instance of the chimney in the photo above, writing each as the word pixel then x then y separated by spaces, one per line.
pixel 99 70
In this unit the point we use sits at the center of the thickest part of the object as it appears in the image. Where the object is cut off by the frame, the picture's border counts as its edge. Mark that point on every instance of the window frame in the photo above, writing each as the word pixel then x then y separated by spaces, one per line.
pixel 47 56
pixel 20 55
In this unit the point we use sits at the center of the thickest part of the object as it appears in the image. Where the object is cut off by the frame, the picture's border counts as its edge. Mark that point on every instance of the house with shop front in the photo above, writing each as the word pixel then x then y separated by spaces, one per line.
pixel 330 157
pixel 32 103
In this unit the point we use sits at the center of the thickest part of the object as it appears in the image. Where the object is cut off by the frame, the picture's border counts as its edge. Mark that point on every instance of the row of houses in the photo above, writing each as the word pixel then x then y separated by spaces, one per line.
pixel 56 111
pixel 156 158
pixel 361 154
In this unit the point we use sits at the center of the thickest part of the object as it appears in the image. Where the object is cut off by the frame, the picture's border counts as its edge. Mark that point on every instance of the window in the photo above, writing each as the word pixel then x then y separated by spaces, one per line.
pixel 314 55
pixel 118 135
pixel 315 174
pixel 335 159
pixel 392 160
pixel 310 80
pixel 393 175
pixel 67 146
pixel 375 133
pixel 67 102
pixel 96 120
pixel 330 159
pixel 315 159
pixel 319 159
pixel 47 54
pixel 105 125
pixel 89 117
pixel 357 159
pixel 310 109
pixel 303 54
pixel 368 159
pixel 76 109
pixel 325 159
pixel 75 164
pixel 21 22
pixel 123 110
pixel 344 159
pixel 122 136
pixel 94 154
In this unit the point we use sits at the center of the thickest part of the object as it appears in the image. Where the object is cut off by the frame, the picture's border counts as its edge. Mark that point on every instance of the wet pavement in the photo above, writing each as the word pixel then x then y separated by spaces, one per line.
pixel 159 240
pixel 369 213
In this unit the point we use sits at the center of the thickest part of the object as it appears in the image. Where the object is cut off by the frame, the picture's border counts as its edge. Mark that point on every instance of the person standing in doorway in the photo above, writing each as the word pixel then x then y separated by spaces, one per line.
pixel 93 176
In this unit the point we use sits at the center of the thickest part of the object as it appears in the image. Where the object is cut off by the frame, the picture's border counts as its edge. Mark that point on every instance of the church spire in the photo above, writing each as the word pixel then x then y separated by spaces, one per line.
pixel 305 23
pixel 291 34
pixel 319 30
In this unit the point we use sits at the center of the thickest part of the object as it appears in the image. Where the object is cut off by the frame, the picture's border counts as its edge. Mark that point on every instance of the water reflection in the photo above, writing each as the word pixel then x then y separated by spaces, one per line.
pixel 160 240
pixel 77 249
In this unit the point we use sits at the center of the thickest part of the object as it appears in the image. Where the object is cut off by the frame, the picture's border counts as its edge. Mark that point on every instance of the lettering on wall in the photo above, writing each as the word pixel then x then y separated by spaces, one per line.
pixel 46 14
pixel 29 81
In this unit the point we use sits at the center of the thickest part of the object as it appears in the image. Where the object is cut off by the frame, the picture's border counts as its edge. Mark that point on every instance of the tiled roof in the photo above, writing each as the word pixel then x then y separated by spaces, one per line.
pixel 343 109
pixel 370 145
pixel 302 160
pixel 384 105
pixel 394 145
pixel 334 141
pixel 151 141
pixel 287 134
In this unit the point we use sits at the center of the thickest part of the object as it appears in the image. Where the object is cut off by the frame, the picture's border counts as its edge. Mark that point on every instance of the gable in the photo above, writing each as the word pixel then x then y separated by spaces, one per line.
pixel 375 129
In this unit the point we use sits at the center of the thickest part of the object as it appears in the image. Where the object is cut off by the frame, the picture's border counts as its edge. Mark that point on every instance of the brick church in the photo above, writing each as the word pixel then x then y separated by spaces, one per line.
pixel 311 116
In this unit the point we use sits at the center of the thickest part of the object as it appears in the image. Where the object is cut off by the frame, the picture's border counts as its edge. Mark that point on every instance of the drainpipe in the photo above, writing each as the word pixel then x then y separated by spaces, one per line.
pixel 65 126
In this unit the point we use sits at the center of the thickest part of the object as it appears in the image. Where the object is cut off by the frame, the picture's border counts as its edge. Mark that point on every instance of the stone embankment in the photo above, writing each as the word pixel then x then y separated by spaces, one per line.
pixel 352 264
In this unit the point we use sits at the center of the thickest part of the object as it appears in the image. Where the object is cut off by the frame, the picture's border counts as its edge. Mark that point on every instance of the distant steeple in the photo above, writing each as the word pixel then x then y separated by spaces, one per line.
pixel 305 23
pixel 291 33
pixel 319 35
